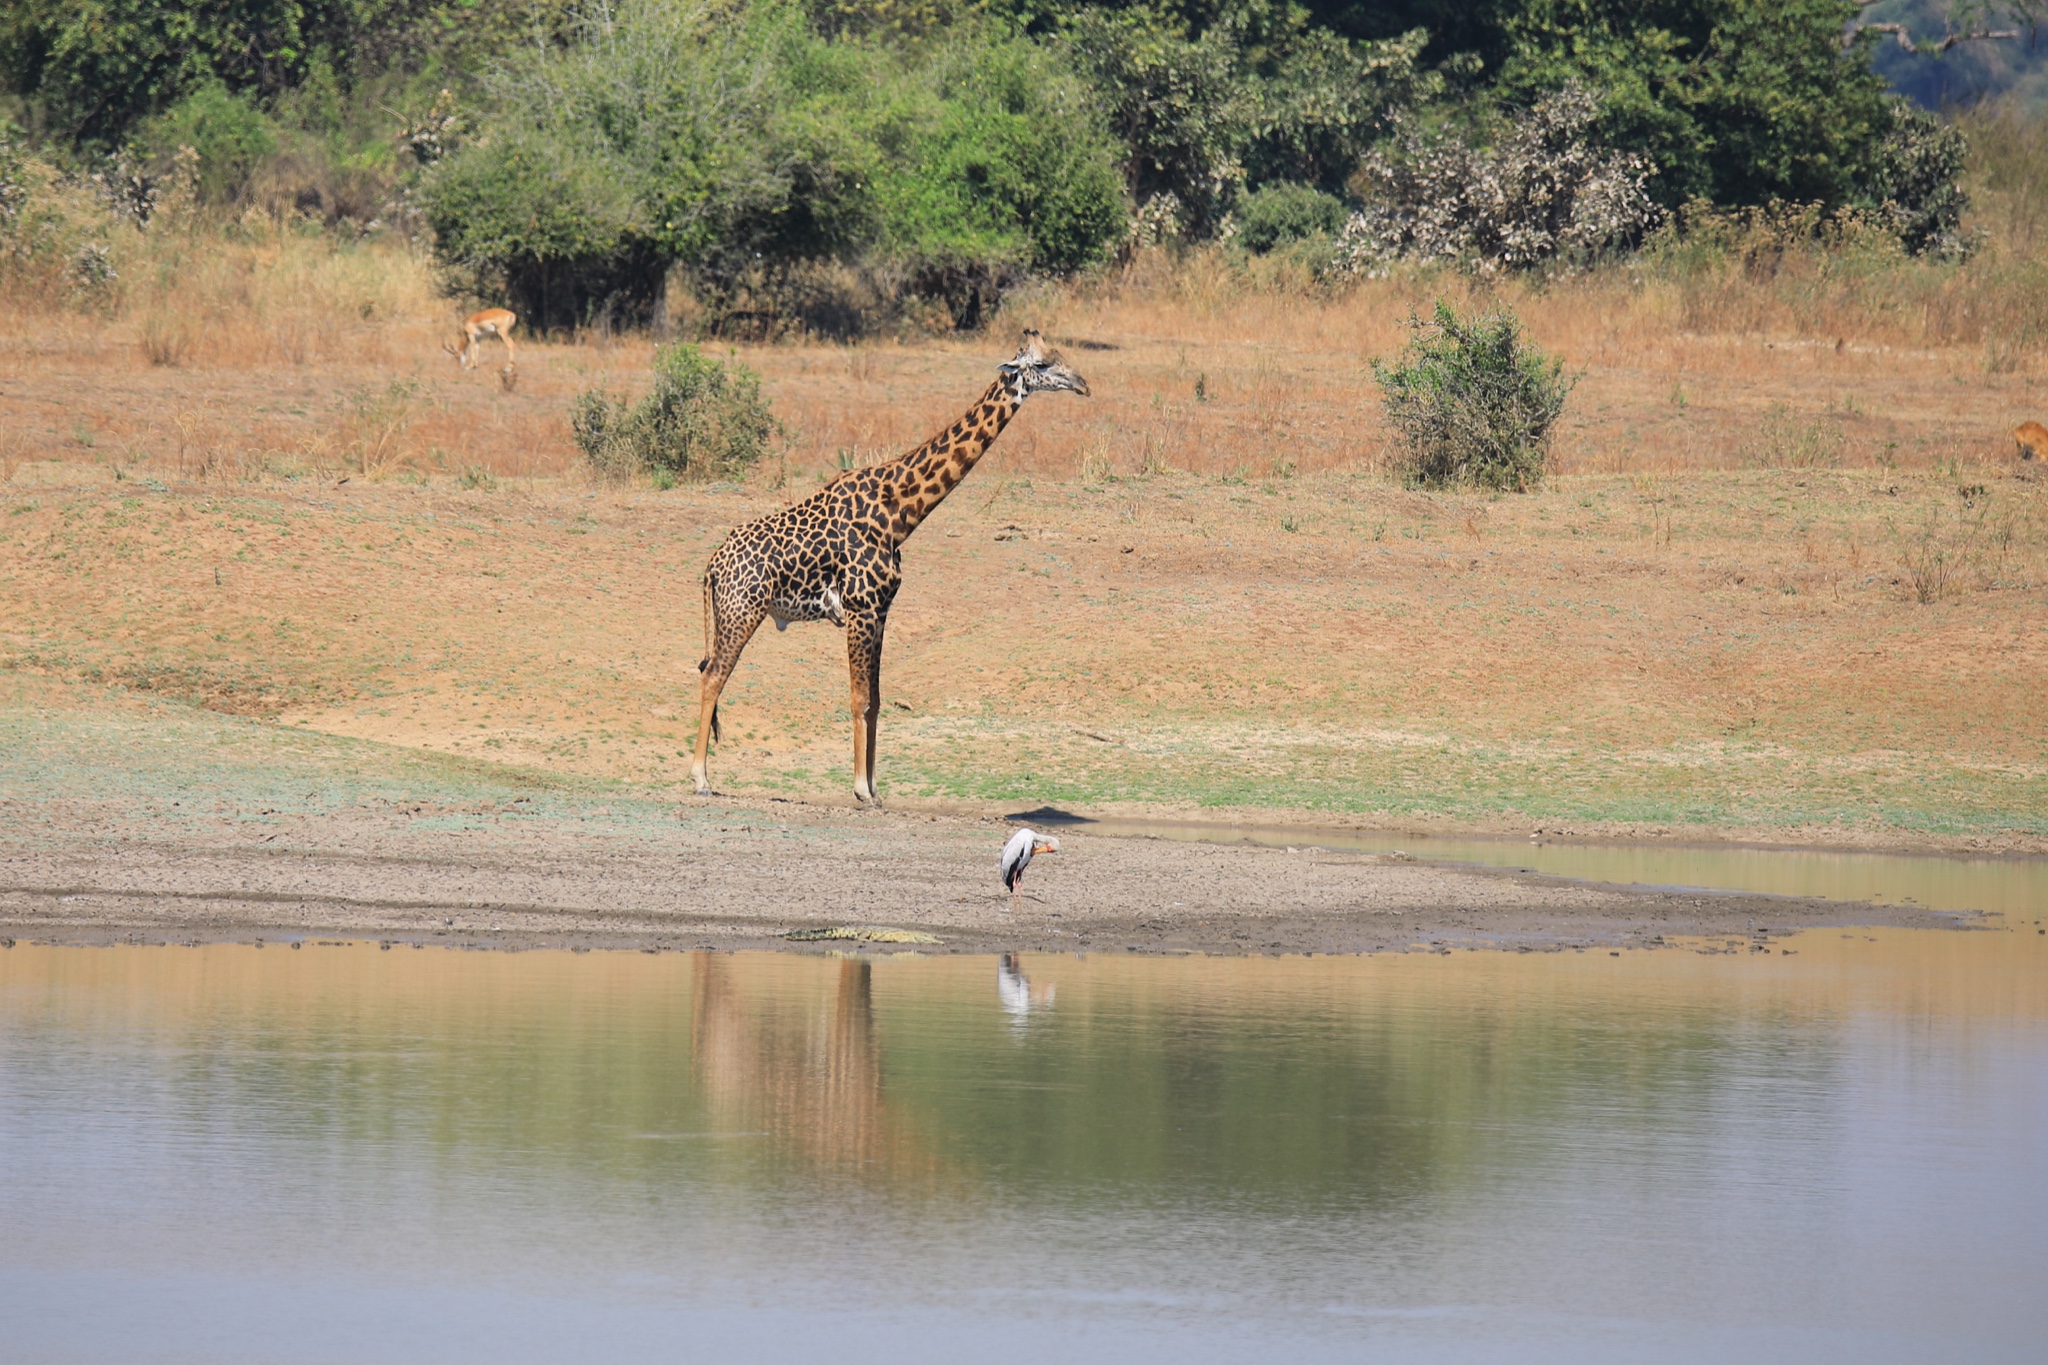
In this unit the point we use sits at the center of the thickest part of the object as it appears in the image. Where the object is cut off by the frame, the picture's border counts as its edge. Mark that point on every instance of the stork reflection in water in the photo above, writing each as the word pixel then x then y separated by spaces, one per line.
pixel 1015 991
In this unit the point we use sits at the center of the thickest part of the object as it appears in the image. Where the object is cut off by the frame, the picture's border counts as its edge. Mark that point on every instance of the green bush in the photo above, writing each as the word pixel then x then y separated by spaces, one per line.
pixel 1000 167
pixel 1281 214
pixel 1916 183
pixel 92 73
pixel 1473 402
pixel 703 419
pixel 231 136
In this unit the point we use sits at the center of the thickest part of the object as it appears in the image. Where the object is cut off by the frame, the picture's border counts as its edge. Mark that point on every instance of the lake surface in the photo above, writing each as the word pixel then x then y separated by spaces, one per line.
pixel 1996 885
pixel 338 1153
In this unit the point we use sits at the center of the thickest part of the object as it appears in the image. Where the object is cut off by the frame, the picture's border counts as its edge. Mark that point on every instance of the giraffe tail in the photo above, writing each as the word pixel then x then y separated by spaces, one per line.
pixel 710 640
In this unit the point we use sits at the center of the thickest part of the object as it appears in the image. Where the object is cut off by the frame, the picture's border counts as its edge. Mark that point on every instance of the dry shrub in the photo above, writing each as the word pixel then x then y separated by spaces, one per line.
pixel 1541 191
pixel 276 291
pixel 1952 550
pixel 55 238
pixel 167 339
pixel 1782 441
pixel 382 417
pixel 192 289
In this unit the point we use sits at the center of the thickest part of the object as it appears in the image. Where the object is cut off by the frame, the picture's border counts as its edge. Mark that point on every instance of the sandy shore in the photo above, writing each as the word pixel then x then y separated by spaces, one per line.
pixel 725 873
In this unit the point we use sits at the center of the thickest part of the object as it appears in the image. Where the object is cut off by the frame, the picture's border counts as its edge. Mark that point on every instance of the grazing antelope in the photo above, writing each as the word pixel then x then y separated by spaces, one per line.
pixel 2032 439
pixel 492 322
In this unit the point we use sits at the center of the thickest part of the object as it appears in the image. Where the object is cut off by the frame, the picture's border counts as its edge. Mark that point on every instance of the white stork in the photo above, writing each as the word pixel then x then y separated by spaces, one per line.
pixel 1024 845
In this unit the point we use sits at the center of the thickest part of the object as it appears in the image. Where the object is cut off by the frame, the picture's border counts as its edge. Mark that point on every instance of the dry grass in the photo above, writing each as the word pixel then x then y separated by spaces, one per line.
pixel 276 349
pixel 1731 650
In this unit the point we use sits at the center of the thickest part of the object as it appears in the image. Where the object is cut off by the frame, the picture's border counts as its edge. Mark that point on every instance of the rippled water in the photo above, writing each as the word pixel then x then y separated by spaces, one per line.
pixel 342 1154
pixel 1996 885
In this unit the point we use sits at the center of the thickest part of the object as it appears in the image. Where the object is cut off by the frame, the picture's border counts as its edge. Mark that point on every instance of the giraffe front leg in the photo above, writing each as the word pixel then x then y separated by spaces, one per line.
pixel 864 674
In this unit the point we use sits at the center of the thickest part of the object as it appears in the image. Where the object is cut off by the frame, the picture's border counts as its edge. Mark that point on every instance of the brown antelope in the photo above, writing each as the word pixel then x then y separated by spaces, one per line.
pixel 2032 439
pixel 492 322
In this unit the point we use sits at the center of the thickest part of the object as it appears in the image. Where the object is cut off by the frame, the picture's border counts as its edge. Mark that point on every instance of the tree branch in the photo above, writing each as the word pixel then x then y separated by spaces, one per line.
pixel 1930 48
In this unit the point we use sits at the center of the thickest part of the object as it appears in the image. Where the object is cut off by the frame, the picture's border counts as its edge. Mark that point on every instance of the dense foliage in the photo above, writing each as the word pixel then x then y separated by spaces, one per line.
pixel 96 69
pixel 743 147
pixel 830 164
pixel 1249 100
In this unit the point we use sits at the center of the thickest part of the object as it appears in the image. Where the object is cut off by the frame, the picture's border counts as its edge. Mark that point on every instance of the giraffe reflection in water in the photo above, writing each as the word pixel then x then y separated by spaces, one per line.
pixel 1014 989
pixel 805 1071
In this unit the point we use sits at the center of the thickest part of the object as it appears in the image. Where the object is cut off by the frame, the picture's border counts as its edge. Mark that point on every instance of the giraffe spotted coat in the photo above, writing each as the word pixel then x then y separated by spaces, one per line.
pixel 835 556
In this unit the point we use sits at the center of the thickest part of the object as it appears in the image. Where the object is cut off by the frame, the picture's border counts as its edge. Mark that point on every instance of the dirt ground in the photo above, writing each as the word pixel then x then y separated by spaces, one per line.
pixel 132 819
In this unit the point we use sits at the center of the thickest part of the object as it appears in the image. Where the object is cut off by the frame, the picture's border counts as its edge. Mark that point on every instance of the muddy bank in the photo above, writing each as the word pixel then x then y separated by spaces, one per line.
pixel 726 873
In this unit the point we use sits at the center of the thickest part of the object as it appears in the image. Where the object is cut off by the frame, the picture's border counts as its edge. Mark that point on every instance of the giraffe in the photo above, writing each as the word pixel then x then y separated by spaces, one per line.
pixel 834 556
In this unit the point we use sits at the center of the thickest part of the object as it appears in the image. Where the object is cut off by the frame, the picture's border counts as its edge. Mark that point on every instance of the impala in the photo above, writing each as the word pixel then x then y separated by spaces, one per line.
pixel 2032 440
pixel 492 322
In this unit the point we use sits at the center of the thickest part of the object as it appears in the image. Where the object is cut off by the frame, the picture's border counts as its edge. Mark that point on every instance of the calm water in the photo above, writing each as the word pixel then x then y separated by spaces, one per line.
pixel 2009 886
pixel 342 1154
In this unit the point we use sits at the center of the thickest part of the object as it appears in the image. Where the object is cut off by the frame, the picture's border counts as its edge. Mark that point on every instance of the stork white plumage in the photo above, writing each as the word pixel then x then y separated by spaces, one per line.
pixel 1024 845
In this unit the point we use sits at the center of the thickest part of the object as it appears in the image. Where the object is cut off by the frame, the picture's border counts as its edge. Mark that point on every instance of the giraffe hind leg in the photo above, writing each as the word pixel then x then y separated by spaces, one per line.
pixel 730 631
pixel 702 665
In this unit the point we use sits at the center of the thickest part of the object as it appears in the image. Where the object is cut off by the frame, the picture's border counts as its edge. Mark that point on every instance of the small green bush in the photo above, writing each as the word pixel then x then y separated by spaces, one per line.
pixel 58 245
pixel 1473 402
pixel 703 419
pixel 1278 215
pixel 229 133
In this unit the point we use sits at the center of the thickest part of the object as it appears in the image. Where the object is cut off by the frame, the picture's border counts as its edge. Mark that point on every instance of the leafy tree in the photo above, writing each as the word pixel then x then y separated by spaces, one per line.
pixel 545 224
pixel 1278 214
pixel 1535 189
pixel 1737 101
pixel 1916 183
pixel 1177 104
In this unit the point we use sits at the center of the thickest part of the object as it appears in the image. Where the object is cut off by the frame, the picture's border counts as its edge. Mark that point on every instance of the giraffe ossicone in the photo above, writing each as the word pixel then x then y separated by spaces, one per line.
pixel 834 556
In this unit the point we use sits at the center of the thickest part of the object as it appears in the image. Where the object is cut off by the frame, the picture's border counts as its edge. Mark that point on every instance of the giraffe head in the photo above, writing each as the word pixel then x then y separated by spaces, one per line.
pixel 1036 370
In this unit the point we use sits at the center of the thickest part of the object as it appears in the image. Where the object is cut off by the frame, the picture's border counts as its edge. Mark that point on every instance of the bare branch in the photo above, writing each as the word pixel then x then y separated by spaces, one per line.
pixel 1929 48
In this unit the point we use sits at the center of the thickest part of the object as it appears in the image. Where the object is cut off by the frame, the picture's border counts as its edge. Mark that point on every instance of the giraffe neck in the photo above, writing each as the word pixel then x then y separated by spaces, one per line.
pixel 920 481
